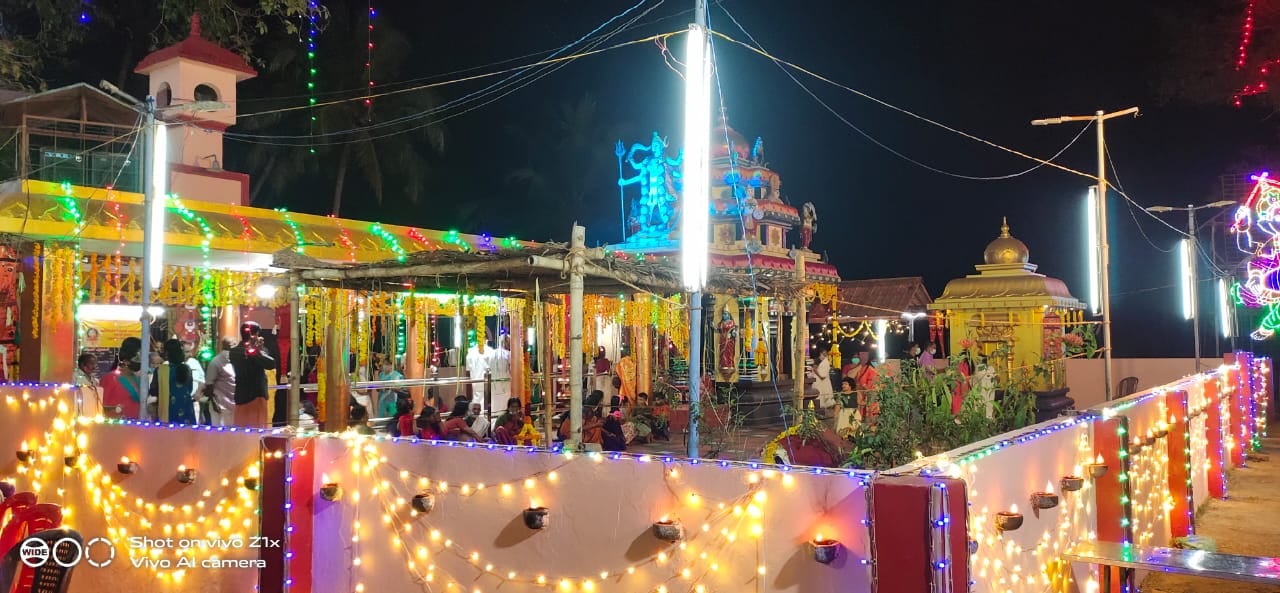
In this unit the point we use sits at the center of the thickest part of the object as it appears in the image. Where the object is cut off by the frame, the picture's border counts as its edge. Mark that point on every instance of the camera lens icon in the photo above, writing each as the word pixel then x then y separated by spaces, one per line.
pixel 34 553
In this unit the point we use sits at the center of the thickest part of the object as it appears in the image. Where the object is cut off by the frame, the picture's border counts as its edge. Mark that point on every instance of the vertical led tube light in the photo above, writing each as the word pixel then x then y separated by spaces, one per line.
pixel 1225 313
pixel 882 330
pixel 1091 246
pixel 160 191
pixel 695 234
pixel 1184 275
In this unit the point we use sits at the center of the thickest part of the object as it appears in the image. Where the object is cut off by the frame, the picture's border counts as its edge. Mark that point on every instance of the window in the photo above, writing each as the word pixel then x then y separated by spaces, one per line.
pixel 164 96
pixel 205 92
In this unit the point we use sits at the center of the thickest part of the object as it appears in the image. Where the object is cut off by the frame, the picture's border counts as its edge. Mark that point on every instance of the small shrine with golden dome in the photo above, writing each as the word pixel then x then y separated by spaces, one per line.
pixel 1008 308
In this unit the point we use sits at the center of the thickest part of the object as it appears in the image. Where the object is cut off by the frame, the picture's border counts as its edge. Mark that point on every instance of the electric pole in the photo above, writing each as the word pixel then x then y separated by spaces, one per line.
pixel 1104 245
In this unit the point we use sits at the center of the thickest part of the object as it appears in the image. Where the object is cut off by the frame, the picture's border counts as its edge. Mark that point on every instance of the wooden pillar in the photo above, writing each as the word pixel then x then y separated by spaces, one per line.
pixel 800 351
pixel 516 346
pixel 335 380
pixel 1111 492
pixel 1213 428
pixel 57 319
pixel 1182 513
pixel 415 368
pixel 642 336
pixel 30 303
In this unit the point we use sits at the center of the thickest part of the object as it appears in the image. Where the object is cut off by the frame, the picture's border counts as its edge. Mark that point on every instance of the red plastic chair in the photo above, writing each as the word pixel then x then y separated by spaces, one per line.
pixel 10 507
pixel 52 577
pixel 27 521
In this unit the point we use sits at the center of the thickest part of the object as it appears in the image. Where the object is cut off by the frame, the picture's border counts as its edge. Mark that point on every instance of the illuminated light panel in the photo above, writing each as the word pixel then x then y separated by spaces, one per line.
pixel 159 184
pixel 1185 261
pixel 696 174
pixel 1091 248
pixel 1256 226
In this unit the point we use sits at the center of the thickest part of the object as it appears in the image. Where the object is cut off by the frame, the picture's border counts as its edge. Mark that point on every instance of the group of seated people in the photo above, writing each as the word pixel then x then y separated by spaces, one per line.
pixel 624 424
pixel 465 421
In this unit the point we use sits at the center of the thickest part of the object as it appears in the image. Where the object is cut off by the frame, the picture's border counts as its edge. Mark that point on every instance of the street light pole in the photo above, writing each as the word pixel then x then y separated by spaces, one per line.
pixel 1192 255
pixel 155 189
pixel 1104 245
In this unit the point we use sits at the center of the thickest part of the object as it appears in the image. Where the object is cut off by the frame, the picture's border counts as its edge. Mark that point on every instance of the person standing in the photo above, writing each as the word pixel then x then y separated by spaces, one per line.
pixel 197 377
pixel 821 375
pixel 122 387
pixel 172 386
pixel 926 360
pixel 86 378
pixel 251 362
pixel 220 386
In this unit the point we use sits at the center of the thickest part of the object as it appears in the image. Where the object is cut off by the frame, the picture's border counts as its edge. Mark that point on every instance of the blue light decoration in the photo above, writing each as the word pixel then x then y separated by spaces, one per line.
pixel 1256 226
pixel 655 213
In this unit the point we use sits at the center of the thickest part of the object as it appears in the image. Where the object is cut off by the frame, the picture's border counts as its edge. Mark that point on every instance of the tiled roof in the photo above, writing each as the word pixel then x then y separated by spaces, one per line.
pixel 198 49
pixel 877 298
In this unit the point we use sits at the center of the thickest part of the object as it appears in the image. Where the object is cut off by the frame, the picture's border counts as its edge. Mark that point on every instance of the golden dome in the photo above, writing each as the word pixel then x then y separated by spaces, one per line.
pixel 1006 249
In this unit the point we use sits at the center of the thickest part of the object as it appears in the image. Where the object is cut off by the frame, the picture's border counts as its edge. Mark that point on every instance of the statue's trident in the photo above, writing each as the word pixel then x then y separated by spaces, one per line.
pixel 620 150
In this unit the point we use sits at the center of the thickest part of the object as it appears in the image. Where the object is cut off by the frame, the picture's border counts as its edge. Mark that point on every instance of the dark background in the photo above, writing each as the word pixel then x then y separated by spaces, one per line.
pixel 985 67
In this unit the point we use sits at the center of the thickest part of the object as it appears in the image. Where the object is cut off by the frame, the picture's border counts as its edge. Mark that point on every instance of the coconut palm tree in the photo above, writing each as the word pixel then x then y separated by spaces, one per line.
pixel 570 166
pixel 385 141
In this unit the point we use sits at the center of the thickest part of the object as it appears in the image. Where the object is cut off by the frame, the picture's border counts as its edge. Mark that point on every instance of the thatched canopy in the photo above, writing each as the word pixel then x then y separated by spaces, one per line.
pixel 519 270
pixel 875 298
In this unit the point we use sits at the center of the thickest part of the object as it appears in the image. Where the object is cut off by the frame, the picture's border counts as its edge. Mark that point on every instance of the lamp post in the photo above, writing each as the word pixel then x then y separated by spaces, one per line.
pixel 155 189
pixel 1104 246
pixel 695 217
pixel 1188 254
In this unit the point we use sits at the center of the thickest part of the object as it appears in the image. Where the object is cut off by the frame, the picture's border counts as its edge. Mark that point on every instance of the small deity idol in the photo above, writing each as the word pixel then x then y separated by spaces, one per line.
pixel 728 344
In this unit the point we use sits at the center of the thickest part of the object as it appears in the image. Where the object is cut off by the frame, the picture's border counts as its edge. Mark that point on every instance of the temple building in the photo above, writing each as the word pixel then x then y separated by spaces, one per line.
pixel 1009 314
pixel 760 246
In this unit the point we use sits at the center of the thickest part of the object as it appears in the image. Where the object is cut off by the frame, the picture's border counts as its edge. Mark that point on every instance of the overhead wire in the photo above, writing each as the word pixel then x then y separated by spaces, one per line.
pixel 386 85
pixel 742 215
pixel 251 140
pixel 786 67
pixel 1129 205
pixel 469 97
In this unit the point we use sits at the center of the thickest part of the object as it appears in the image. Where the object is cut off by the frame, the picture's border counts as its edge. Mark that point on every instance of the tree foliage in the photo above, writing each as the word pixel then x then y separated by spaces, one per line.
pixel 37 34
pixel 569 166
pixel 387 143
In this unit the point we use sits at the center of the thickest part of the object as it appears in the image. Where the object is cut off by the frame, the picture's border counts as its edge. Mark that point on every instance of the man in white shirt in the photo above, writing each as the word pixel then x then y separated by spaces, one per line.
pixel 500 370
pixel 479 360
pixel 86 378
pixel 221 379
pixel 197 377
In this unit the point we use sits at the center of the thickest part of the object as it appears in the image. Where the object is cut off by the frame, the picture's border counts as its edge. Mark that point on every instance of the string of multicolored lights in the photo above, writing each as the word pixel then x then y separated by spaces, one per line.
pixel 206 273
pixel 313 13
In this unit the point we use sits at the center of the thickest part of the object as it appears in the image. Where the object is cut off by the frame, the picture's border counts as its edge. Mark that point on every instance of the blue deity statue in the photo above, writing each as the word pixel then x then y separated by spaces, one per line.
pixel 656 211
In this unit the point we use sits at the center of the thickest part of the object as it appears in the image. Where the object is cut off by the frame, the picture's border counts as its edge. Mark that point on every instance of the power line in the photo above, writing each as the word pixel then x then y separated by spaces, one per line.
pixel 780 62
pixel 388 85
pixel 469 97
pixel 1115 173
pixel 253 139
pixel 545 62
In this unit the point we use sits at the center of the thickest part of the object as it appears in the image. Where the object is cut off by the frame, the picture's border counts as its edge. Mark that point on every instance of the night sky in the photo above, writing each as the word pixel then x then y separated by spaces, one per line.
pixel 981 66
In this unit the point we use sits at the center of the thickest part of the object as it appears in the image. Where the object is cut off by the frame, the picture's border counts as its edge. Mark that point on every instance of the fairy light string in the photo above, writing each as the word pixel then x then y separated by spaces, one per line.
pixel 313 13
pixel 368 63
pixel 686 564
